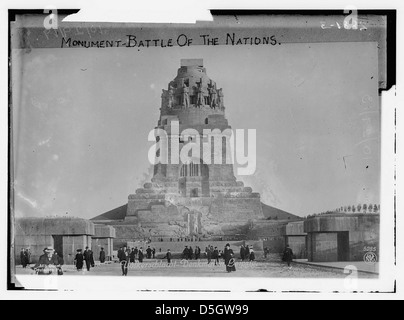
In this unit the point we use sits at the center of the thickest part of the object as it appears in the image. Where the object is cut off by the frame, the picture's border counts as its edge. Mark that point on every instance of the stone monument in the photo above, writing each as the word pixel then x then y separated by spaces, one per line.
pixel 194 200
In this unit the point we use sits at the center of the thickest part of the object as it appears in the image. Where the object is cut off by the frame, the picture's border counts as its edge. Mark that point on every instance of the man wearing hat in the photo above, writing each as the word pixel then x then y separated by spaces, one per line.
pixel 48 258
pixel 185 253
pixel 88 258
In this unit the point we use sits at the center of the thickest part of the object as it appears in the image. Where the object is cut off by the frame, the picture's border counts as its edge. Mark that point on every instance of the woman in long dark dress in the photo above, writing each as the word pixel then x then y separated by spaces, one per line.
pixel 79 260
pixel 140 255
pixel 288 255
pixel 229 259
pixel 125 262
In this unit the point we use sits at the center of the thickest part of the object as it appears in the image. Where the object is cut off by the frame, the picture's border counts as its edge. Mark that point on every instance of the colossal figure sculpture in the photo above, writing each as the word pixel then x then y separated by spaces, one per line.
pixel 185 96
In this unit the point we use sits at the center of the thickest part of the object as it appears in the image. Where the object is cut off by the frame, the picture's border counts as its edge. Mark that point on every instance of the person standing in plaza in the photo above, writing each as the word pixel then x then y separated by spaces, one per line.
pixel 242 253
pixel 88 258
pixel 168 256
pixel 140 255
pixel 197 252
pixel 46 260
pixel 136 251
pixel 154 252
pixel 252 255
pixel 185 253
pixel 190 253
pixel 148 252
pixel 209 254
pixel 288 255
pixel 78 260
pixel 23 258
pixel 247 252
pixel 59 258
pixel 102 255
pixel 229 259
pixel 216 256
pixel 125 262
pixel 120 253
pixel 266 251
pixel 28 255
pixel 132 256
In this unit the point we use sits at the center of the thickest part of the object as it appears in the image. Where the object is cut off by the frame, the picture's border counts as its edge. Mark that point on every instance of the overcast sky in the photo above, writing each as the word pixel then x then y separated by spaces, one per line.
pixel 82 117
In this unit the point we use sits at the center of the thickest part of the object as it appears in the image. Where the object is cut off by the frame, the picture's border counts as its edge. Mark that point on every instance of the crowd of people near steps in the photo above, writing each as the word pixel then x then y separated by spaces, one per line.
pixel 127 256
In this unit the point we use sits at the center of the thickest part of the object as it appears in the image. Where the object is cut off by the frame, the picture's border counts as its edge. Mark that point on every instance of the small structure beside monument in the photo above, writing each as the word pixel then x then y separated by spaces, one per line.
pixel 342 237
pixel 65 235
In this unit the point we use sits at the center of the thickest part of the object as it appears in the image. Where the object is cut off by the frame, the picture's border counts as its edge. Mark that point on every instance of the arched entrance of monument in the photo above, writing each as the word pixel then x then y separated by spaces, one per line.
pixel 194 179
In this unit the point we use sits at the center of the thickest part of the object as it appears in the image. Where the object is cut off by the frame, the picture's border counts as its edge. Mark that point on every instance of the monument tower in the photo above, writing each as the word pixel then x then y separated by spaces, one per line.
pixel 199 198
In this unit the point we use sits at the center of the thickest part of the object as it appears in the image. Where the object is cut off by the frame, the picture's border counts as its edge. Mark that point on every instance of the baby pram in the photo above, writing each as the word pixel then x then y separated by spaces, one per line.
pixel 48 270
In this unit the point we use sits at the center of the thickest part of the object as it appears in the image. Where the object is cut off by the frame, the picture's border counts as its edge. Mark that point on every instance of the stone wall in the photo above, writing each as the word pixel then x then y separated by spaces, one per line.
pixel 72 243
pixel 272 233
pixel 298 246
pixel 322 247
pixel 103 238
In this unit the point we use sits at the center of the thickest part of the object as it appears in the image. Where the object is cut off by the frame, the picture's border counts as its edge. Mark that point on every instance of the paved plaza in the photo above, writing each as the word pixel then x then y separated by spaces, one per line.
pixel 186 268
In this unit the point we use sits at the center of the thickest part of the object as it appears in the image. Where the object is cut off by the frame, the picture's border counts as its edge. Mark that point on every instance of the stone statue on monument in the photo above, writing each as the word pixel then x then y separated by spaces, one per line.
pixel 185 96
pixel 199 95
pixel 212 95
pixel 170 96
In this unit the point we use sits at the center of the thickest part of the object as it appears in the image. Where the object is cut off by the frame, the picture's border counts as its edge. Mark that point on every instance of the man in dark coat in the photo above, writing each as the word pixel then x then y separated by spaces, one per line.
pixel 88 258
pixel 229 259
pixel 136 251
pixel 102 255
pixel 119 254
pixel 168 256
pixel 132 256
pixel 242 253
pixel 140 254
pixel 215 256
pixel 266 251
pixel 247 252
pixel 209 254
pixel 23 257
pixel 148 252
pixel 185 253
pixel 59 258
pixel 197 253
pixel 154 252
pixel 190 253
pixel 288 255
pixel 46 260
pixel 78 260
